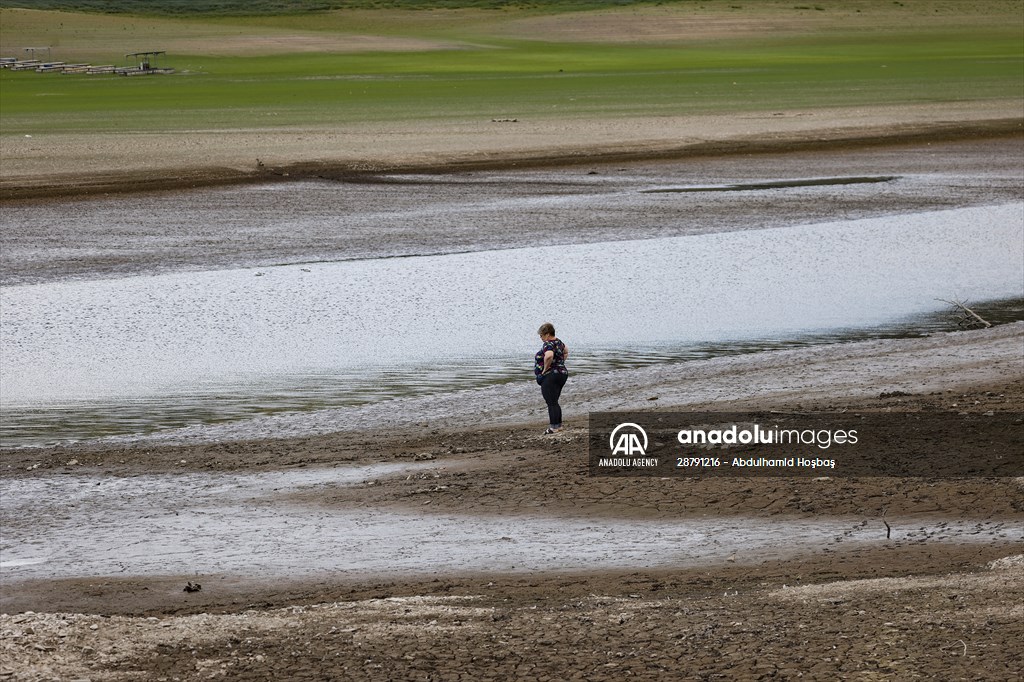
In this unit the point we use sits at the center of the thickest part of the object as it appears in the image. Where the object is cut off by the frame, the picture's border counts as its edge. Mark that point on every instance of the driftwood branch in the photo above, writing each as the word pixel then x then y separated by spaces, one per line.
pixel 965 317
pixel 950 646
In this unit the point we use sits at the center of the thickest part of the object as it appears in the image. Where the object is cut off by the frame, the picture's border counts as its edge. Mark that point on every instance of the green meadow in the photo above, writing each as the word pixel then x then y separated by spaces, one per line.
pixel 281 7
pixel 472 64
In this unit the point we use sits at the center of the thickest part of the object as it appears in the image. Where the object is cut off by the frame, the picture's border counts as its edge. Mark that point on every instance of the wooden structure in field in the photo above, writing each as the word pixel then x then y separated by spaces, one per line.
pixel 146 64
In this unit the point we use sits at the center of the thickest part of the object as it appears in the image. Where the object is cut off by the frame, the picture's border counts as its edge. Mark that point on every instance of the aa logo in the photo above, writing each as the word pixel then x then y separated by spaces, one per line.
pixel 626 440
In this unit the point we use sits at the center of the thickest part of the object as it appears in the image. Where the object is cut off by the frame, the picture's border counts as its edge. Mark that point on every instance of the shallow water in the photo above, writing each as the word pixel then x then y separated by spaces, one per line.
pixel 243 525
pixel 87 358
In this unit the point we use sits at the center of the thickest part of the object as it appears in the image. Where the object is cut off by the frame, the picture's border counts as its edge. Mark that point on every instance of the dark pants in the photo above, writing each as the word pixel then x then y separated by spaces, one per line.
pixel 551 388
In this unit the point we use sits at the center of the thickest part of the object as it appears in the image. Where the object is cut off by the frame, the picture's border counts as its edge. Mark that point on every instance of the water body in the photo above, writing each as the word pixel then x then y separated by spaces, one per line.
pixel 82 359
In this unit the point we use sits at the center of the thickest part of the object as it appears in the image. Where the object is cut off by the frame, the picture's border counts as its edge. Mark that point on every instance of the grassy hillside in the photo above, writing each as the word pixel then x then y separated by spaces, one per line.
pixel 276 7
pixel 355 66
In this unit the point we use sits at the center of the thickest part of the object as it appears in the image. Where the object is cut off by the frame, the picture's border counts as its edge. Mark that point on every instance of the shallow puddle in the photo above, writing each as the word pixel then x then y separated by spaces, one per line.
pixel 197 524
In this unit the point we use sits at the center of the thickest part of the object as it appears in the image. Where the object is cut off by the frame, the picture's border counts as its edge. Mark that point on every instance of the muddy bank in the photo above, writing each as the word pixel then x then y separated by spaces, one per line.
pixel 347 524
pixel 894 613
pixel 394 215
pixel 62 165
pixel 916 366
pixel 837 595
pixel 937 597
pixel 910 605
pixel 368 493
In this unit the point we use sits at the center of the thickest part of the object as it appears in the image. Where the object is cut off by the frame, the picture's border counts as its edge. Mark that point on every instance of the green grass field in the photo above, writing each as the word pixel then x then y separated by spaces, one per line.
pixel 477 63
pixel 279 7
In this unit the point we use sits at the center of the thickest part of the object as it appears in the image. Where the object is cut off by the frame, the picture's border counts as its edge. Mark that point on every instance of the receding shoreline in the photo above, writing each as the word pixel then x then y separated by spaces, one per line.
pixel 902 606
pixel 931 591
pixel 844 373
pixel 74 165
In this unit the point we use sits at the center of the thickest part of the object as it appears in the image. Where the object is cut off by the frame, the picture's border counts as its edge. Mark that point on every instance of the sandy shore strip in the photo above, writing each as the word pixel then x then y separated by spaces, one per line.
pixel 65 164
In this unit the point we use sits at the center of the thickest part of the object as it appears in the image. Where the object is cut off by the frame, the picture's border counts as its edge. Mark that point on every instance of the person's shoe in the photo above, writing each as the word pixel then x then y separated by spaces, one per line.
pixel 550 430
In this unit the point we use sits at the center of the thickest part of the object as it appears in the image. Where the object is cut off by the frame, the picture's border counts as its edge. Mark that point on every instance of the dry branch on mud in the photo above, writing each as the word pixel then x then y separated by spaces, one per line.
pixel 964 317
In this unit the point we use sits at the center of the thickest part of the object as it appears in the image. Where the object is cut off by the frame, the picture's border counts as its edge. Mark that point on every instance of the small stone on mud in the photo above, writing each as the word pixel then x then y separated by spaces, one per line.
pixel 192 587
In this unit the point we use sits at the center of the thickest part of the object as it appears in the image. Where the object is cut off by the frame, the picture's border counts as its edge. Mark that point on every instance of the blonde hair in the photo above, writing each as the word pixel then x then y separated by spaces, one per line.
pixel 546 329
